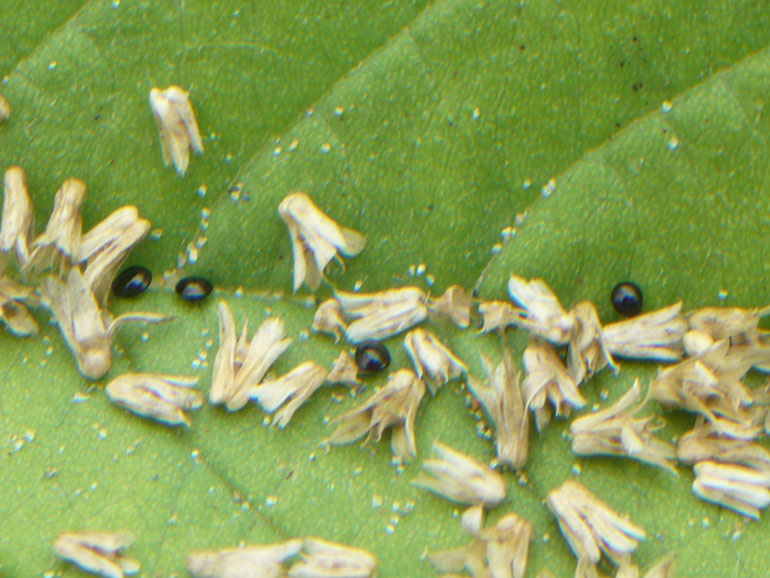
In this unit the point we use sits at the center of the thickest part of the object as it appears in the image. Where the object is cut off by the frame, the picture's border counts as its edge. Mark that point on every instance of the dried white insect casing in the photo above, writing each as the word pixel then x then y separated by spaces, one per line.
pixel 591 526
pixel 240 365
pixel 455 303
pixel 615 431
pixel 324 559
pixel 60 242
pixel 383 314
pixel 344 370
pixel 395 405
pixel 432 359
pixel 286 394
pixel 5 109
pixel 540 313
pixel 112 240
pixel 18 222
pixel 743 489
pixel 504 403
pixel 316 239
pixel 587 350
pixel 655 335
pixel 177 126
pixel 12 311
pixel 500 551
pixel 87 328
pixel 703 443
pixel 98 552
pixel 461 478
pixel 548 380
pixel 328 319
pixel 733 323
pixel 164 398
pixel 264 561
pixel 496 314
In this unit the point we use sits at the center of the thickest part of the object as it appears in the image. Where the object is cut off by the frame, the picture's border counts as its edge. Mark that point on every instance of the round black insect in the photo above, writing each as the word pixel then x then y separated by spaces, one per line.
pixel 627 299
pixel 372 356
pixel 193 288
pixel 132 281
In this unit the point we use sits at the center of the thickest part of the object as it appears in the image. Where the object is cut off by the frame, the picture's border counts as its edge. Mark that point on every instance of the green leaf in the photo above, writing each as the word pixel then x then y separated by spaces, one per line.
pixel 443 121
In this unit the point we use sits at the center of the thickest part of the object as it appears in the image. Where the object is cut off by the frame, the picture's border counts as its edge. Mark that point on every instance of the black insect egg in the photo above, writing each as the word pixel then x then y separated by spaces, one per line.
pixel 627 299
pixel 194 288
pixel 132 281
pixel 372 356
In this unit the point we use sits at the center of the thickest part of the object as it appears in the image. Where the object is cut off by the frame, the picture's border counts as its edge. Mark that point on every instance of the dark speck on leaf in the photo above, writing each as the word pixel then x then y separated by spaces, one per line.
pixel 627 299
pixel 372 356
pixel 132 281
pixel 194 288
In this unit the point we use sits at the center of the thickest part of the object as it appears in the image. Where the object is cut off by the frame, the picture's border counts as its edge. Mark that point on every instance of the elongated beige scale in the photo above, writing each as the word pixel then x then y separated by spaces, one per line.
pixel 177 127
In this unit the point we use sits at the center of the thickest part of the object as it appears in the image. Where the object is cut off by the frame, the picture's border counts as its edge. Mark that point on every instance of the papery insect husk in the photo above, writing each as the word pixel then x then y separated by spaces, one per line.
pixel 734 323
pixel 328 319
pixel 587 350
pixel 240 365
pixel 496 314
pixel 591 526
pixel 60 243
pixel 163 398
pixel 97 552
pixel 316 239
pixel 461 478
pixel 86 327
pixel 265 561
pixel 383 314
pixel 290 391
pixel 740 488
pixel 454 303
pixel 395 405
pixel 177 127
pixel 615 431
pixel 504 403
pixel 703 443
pixel 344 370
pixel 13 312
pixel 324 559
pixel 547 379
pixel 432 359
pixel 541 313
pixel 18 219
pixel 655 335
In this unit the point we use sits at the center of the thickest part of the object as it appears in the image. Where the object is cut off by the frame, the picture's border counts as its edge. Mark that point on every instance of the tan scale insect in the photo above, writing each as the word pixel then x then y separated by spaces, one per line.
pixel 264 561
pixel 328 319
pixel 284 395
pixel 344 370
pixel 395 405
pixel 316 239
pixel 540 313
pixel 499 551
pixel 241 364
pixel 455 303
pixel 503 401
pixel 591 526
pixel 433 361
pixel 164 398
pixel 616 431
pixel 177 126
pixel 588 352
pixel 548 380
pixel 461 478
pixel 59 244
pixel 18 221
pixel 13 312
pixel 733 323
pixel 656 335
pixel 324 559
pixel 743 489
pixel 98 552
pixel 383 314
pixel 497 314
pixel 87 328
pixel 703 443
